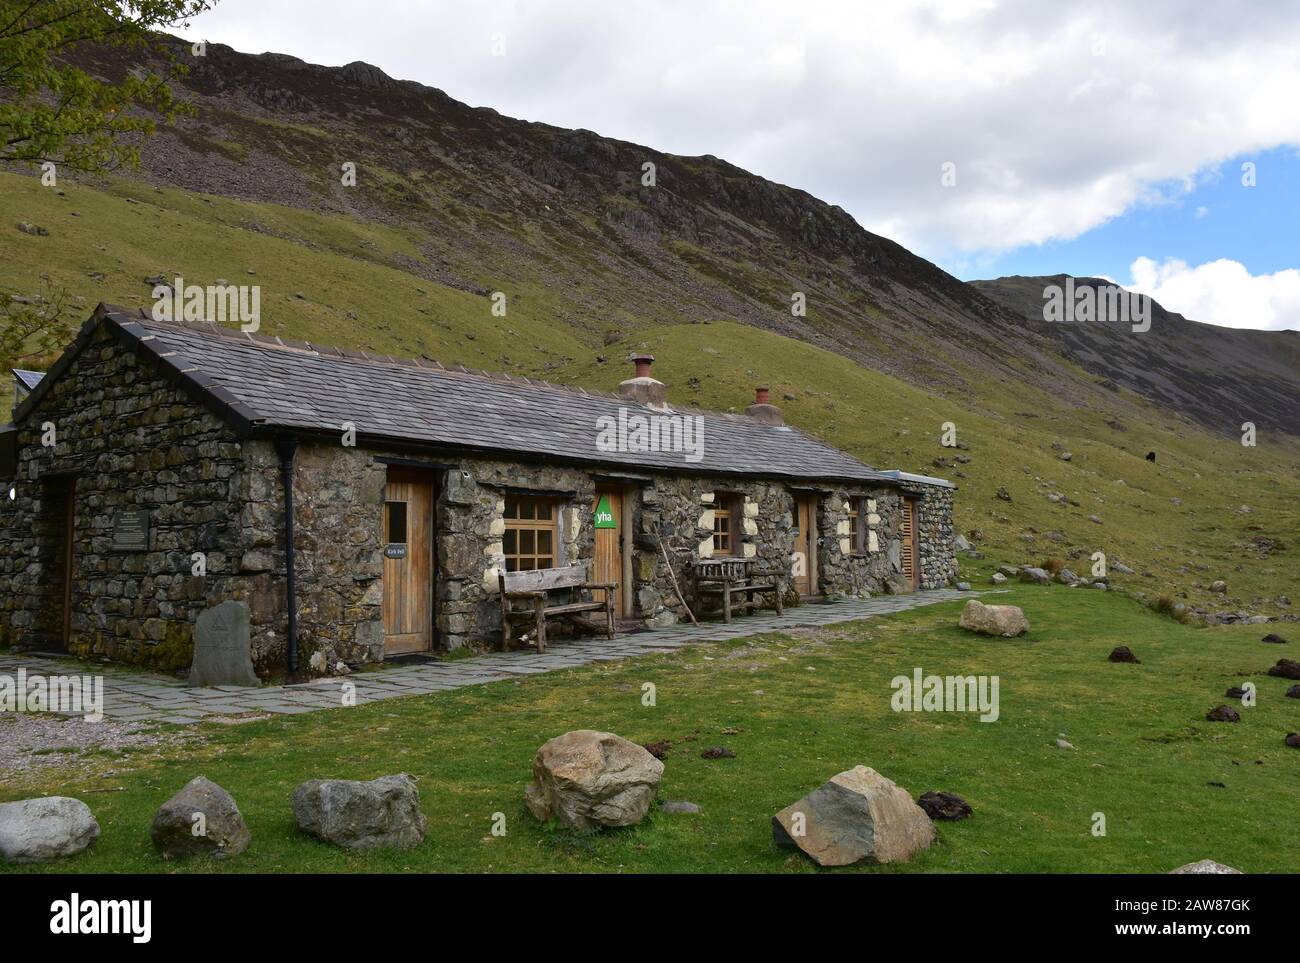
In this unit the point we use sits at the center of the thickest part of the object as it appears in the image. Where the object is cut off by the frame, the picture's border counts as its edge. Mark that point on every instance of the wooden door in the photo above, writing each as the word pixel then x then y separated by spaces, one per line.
pixel 408 562
pixel 805 545
pixel 611 543
pixel 907 535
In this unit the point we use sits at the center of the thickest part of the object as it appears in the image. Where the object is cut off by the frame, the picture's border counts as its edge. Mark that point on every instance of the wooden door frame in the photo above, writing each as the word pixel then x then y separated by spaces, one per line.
pixel 626 494
pixel 429 475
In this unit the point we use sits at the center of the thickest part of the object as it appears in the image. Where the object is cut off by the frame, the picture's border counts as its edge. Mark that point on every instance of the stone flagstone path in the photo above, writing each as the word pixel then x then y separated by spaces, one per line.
pixel 150 698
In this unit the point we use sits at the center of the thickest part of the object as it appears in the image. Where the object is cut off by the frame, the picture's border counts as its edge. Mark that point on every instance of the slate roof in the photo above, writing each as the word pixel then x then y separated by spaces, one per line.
pixel 268 385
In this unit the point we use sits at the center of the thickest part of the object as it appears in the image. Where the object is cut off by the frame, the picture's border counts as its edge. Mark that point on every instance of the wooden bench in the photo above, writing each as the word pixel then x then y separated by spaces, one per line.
pixel 726 580
pixel 535 589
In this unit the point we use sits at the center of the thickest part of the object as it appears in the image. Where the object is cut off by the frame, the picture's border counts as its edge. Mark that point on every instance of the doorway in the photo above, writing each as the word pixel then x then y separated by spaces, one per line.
pixel 611 562
pixel 408 540
pixel 805 545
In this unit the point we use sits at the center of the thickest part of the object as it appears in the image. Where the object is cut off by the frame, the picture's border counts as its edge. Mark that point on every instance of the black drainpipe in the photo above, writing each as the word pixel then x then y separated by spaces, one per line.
pixel 287 446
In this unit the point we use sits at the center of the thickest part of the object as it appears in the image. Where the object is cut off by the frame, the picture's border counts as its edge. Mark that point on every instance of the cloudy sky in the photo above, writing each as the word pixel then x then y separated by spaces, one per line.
pixel 1156 142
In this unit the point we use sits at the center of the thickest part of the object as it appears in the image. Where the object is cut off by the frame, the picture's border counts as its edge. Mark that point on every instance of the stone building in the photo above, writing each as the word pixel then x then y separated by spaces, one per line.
pixel 155 470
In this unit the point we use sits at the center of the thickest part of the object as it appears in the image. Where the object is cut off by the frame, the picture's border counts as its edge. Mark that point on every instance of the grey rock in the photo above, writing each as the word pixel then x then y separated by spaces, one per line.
pixel 1121 568
pixel 1205 867
pixel 221 833
pixel 857 815
pixel 222 650
pixel 34 830
pixel 383 812
pixel 1004 620
pixel 1219 587
pixel 1039 575
pixel 998 578
pixel 587 779
pixel 963 586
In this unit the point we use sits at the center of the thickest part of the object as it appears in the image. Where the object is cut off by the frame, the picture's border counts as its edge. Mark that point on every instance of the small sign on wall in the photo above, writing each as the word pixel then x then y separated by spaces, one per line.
pixel 395 550
pixel 131 530
pixel 605 514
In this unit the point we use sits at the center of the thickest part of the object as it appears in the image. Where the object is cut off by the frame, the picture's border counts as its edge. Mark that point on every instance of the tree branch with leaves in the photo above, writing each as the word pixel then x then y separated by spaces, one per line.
pixel 51 110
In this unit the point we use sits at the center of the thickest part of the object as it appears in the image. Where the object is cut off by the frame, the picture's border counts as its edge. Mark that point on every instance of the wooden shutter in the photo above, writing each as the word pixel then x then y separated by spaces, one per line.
pixel 906 530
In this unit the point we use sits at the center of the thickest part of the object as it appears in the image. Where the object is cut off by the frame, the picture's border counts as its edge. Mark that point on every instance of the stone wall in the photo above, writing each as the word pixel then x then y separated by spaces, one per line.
pixel 133 441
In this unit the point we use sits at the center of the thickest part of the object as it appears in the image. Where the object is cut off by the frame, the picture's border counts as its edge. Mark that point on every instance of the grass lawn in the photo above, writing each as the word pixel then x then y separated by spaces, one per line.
pixel 796 708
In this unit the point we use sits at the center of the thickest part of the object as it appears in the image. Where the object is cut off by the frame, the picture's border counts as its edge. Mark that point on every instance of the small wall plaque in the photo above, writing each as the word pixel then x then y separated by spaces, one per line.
pixel 131 530
pixel 395 550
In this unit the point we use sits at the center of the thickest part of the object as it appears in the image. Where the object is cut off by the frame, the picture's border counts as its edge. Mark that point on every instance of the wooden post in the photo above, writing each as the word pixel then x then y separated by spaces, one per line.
pixel 505 607
pixel 539 606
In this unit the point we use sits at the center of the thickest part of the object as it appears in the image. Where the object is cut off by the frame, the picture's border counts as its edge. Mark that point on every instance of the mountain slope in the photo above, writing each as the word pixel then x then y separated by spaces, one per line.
pixel 1221 377
pixel 453 204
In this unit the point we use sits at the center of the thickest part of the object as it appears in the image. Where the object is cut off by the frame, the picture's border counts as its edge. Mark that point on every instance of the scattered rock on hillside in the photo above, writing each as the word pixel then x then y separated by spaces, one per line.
pixel 717 752
pixel 36 231
pixel 1274 638
pixel 1293 692
pixel 1219 587
pixel 857 815
pixel 223 832
pixel 1003 620
pixel 1223 714
pixel 361 815
pixel 1286 669
pixel 587 779
pixel 1066 456
pixel 1039 575
pixel 1121 568
pixel 1095 519
pixel 1122 653
pixel 998 578
pixel 1293 740
pixel 963 586
pixel 944 805
pixel 1235 692
pixel 34 830
pixel 1062 743
pixel 1003 494
pixel 1205 867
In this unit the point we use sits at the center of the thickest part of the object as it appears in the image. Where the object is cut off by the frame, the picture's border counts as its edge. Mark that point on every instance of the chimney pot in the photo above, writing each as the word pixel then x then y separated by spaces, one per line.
pixel 764 411
pixel 642 387
pixel 642 362
pixel 760 396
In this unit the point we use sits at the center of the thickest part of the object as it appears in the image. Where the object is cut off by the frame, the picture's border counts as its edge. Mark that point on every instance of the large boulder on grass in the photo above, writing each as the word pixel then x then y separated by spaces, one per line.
pixel 587 779
pixel 383 812
pixel 1006 620
pixel 200 820
pixel 1041 576
pixel 34 830
pixel 856 816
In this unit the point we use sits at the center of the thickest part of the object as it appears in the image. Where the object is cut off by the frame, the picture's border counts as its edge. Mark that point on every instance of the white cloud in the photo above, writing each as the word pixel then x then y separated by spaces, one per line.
pixel 1221 292
pixel 1059 116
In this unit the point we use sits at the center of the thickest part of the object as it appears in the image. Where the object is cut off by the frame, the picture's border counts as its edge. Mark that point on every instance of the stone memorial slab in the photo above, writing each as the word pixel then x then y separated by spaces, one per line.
pixel 222 652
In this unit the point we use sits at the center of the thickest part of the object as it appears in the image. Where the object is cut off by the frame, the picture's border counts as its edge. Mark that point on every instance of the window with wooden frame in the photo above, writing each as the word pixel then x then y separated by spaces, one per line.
pixel 855 525
pixel 726 521
pixel 530 534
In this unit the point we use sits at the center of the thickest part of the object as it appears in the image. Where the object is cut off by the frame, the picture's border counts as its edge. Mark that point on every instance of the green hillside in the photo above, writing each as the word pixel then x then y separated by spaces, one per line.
pixel 1206 509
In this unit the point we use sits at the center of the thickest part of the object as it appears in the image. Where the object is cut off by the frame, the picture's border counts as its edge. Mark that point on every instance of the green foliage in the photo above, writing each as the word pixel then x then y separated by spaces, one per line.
pixel 33 327
pixel 54 111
